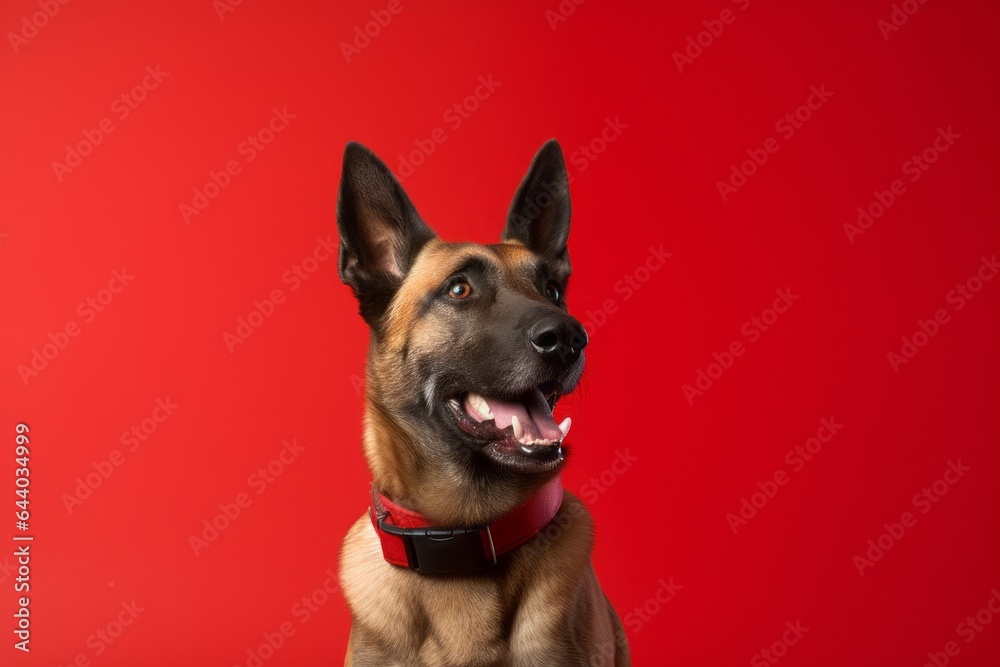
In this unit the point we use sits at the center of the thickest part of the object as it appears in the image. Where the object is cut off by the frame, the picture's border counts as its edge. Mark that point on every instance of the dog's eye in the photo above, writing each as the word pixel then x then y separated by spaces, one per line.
pixel 459 289
pixel 552 290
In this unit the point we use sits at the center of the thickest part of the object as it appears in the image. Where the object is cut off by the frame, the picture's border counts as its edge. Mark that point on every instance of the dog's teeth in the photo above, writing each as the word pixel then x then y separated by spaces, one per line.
pixel 518 429
pixel 564 426
pixel 480 405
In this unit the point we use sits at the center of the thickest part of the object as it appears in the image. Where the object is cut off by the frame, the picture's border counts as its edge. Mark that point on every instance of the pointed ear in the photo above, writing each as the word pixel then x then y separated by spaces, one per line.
pixel 539 215
pixel 380 230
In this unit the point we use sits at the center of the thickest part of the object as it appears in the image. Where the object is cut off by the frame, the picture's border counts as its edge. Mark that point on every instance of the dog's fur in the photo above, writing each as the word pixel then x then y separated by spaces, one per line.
pixel 541 604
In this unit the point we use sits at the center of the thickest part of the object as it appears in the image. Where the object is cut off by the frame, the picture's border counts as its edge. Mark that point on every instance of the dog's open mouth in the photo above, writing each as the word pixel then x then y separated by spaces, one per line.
pixel 521 425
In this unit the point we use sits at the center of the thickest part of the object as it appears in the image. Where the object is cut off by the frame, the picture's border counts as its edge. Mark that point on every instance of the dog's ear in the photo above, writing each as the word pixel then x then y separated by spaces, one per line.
pixel 539 215
pixel 380 230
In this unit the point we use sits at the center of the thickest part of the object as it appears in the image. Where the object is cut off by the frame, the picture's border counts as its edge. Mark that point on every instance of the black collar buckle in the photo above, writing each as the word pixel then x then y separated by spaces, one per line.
pixel 446 550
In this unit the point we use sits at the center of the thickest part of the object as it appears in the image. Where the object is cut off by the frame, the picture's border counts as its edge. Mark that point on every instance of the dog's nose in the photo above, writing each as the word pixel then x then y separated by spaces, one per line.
pixel 558 338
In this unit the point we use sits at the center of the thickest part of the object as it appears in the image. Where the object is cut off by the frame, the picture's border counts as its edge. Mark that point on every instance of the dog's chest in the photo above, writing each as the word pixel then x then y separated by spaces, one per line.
pixel 430 620
pixel 465 623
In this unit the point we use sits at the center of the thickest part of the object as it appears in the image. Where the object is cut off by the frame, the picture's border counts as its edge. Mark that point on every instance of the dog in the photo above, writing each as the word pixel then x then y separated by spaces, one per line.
pixel 471 553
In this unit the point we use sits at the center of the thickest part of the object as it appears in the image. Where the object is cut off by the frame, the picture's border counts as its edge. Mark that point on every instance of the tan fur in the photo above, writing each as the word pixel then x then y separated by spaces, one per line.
pixel 487 620
pixel 542 605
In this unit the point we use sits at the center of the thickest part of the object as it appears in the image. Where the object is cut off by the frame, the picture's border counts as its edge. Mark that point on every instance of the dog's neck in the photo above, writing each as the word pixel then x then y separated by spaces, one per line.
pixel 411 540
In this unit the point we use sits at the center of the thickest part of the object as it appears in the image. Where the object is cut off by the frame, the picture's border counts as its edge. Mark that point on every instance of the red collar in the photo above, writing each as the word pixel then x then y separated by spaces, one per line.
pixel 409 540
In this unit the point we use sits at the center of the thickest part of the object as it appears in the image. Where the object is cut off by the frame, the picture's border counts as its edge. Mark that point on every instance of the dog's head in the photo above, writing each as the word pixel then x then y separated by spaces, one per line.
pixel 471 345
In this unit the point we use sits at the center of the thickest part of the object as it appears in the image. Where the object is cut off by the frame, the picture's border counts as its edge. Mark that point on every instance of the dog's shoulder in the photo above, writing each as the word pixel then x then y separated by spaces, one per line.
pixel 370 584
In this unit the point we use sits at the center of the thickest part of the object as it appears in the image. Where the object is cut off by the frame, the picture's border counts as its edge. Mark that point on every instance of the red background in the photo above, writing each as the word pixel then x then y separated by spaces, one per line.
pixel 664 516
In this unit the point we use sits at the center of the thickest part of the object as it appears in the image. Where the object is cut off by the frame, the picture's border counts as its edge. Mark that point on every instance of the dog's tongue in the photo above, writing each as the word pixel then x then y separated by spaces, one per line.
pixel 531 411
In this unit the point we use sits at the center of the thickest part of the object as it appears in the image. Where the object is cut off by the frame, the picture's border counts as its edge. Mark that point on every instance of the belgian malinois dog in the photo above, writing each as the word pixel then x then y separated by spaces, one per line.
pixel 471 553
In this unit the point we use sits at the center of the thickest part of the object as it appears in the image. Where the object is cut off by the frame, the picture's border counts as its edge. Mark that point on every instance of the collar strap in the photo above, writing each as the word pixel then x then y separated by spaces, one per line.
pixel 410 540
